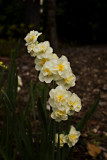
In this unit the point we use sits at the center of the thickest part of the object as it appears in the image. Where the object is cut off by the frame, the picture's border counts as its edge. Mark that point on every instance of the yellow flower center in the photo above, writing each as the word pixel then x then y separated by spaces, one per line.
pixel 61 140
pixel 48 71
pixel 71 104
pixel 60 97
pixel 67 80
pixel 60 113
pixel 44 60
pixel 43 48
pixel 61 67
pixel 71 107
pixel 32 38
pixel 72 136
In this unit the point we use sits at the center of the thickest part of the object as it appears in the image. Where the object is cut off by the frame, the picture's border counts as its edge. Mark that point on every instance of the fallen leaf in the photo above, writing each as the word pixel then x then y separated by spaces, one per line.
pixel 93 150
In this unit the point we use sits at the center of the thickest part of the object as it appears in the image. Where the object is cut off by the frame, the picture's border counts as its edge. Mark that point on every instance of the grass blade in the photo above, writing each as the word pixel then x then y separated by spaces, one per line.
pixel 1 77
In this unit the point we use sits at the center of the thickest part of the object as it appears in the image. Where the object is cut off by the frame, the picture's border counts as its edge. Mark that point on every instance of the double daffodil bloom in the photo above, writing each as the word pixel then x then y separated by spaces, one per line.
pixel 72 137
pixel 40 62
pixel 62 66
pixel 42 49
pixel 68 80
pixel 59 115
pixel 32 37
pixel 74 103
pixel 59 98
pixel 30 49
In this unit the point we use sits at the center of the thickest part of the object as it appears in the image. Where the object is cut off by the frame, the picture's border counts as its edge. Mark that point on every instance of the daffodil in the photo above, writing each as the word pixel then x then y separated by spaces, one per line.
pixel 40 62
pixel 68 80
pixel 74 103
pixel 32 37
pixel 59 98
pixel 62 66
pixel 62 139
pixel 48 72
pixel 59 115
pixel 72 137
pixel 30 49
pixel 42 49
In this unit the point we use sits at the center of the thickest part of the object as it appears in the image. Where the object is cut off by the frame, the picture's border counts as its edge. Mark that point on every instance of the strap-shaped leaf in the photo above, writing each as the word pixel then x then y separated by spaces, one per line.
pixel 32 100
pixel 1 77
pixel 44 97
pixel 58 156
pixel 88 115
pixel 42 115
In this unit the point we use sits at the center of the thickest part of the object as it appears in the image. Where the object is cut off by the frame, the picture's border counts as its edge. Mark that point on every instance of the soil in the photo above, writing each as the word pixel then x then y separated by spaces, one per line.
pixel 89 64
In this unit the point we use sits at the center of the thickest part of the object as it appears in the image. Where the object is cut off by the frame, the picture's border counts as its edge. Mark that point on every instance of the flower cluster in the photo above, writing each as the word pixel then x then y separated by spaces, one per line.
pixel 52 68
pixel 63 103
pixel 71 139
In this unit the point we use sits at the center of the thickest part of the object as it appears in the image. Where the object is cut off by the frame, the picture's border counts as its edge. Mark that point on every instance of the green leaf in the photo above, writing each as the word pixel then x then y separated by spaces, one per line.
pixel 12 76
pixel 68 124
pixel 42 115
pixel 6 96
pixel 88 115
pixel 52 138
pixel 32 100
pixel 3 154
pixel 44 97
pixel 1 77
pixel 58 155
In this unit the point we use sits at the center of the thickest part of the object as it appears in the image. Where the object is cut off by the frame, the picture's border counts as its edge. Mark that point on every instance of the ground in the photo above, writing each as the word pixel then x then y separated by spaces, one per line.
pixel 89 64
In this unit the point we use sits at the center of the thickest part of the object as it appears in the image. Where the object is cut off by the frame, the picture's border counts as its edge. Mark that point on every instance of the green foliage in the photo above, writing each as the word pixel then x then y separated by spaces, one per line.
pixel 88 115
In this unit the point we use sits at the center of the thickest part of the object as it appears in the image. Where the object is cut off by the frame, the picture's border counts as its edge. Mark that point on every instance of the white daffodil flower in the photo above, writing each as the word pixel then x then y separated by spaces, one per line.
pixel 32 37
pixel 47 73
pixel 62 139
pixel 59 98
pixel 19 83
pixel 62 66
pixel 30 49
pixel 40 62
pixel 74 103
pixel 72 137
pixel 68 80
pixel 59 115
pixel 42 49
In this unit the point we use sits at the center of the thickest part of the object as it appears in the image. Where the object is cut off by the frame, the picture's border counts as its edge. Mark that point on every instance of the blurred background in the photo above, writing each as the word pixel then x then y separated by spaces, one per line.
pixel 77 29
pixel 72 22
